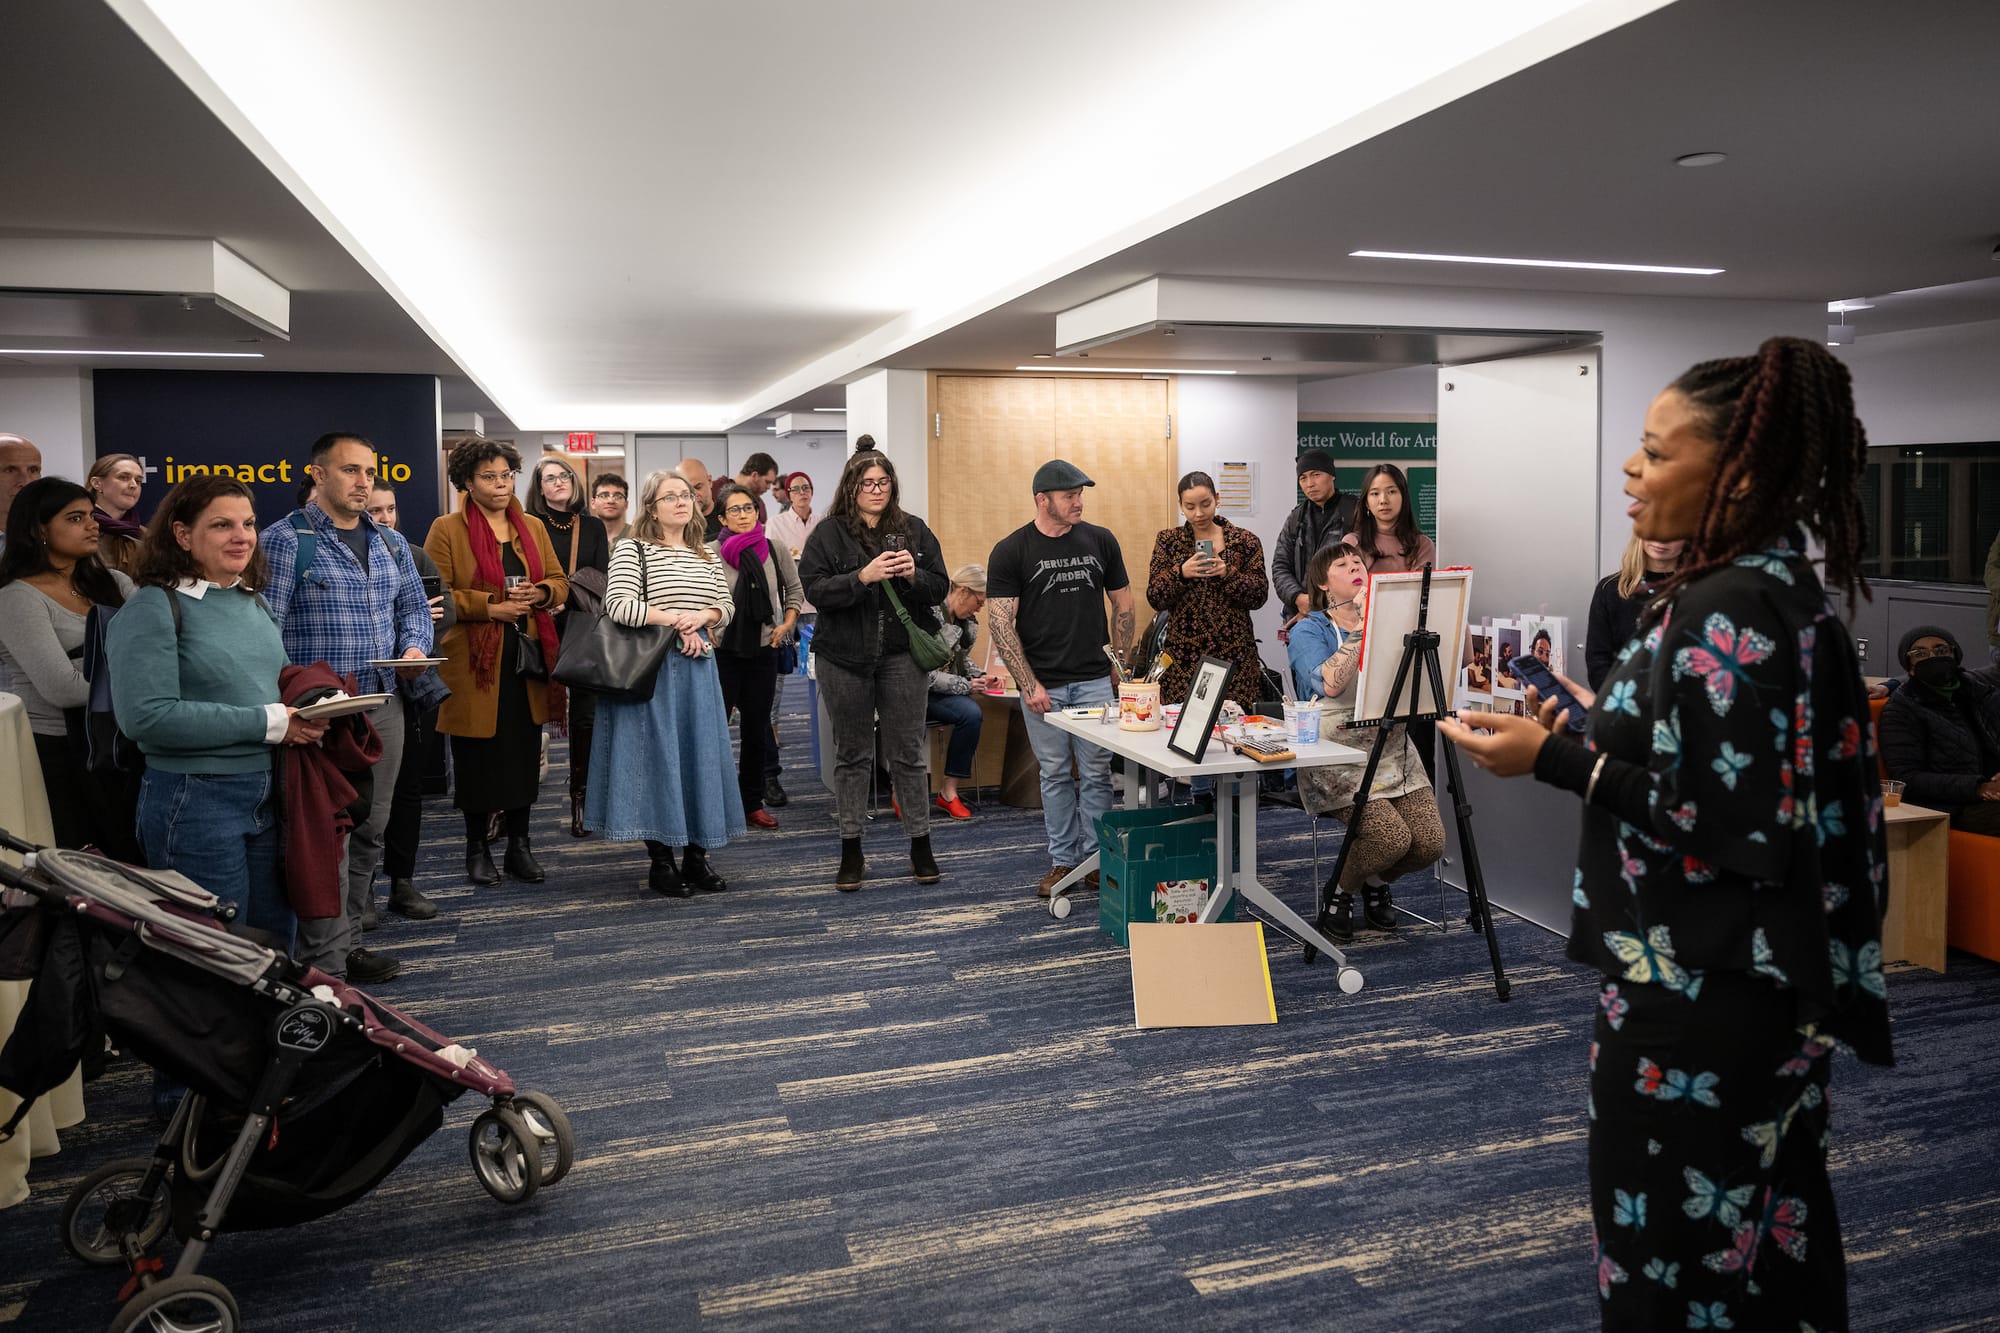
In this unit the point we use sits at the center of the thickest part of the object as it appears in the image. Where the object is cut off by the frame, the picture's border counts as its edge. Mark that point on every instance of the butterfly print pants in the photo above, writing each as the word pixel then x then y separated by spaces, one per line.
pixel 1708 1182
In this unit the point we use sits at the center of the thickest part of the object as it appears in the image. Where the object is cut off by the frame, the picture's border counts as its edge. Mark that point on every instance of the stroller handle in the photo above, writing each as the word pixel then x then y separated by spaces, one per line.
pixel 14 844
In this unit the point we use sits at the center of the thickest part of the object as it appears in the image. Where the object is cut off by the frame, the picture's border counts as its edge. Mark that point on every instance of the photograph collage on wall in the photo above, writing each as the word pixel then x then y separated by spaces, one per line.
pixel 1487 681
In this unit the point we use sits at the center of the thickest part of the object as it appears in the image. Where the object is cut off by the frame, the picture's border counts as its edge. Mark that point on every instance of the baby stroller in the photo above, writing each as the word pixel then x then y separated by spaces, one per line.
pixel 304 1093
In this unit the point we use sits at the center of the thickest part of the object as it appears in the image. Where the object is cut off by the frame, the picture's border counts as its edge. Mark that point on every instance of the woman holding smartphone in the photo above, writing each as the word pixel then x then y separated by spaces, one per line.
pixel 1206 577
pixel 503 578
pixel 869 681
pixel 1729 879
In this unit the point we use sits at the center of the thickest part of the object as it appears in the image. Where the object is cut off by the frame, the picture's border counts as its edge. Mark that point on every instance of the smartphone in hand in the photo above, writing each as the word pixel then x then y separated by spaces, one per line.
pixel 1530 670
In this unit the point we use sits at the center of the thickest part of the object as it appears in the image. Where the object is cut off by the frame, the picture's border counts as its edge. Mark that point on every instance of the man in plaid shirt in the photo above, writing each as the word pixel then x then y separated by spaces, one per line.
pixel 358 599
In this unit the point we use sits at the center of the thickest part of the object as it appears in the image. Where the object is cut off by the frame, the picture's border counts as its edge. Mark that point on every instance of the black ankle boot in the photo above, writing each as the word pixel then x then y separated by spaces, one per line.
pixel 664 876
pixel 1377 911
pixel 1338 918
pixel 479 867
pixel 853 869
pixel 922 864
pixel 521 863
pixel 696 870
pixel 405 901
pixel 576 828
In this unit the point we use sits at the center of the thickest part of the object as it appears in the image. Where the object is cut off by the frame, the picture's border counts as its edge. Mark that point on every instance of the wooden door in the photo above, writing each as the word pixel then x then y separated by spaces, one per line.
pixel 994 431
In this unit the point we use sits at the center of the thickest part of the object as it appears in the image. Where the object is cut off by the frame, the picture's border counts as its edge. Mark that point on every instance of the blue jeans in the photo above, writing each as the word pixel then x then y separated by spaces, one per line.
pixel 961 713
pixel 221 831
pixel 1070 811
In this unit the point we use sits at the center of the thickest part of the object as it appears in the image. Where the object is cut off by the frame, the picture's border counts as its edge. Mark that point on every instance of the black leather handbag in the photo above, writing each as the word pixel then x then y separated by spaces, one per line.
pixel 610 659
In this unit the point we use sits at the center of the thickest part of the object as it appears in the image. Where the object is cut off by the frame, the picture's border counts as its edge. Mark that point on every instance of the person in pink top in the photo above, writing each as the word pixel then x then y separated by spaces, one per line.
pixel 1386 529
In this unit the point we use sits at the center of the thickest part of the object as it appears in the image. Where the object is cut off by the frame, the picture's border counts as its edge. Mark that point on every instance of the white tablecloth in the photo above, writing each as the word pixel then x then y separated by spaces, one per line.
pixel 24 812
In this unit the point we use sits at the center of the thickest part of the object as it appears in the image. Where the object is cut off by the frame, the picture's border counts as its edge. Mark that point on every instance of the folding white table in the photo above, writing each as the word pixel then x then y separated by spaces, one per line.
pixel 1148 759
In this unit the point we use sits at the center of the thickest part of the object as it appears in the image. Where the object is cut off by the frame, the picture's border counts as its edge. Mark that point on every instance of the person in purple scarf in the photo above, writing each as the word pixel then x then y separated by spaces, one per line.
pixel 749 656
pixel 114 482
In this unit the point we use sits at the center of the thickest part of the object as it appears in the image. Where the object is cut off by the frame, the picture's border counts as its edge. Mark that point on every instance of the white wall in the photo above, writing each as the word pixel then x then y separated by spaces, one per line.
pixel 1928 386
pixel 54 409
pixel 1411 389
pixel 818 454
pixel 1242 418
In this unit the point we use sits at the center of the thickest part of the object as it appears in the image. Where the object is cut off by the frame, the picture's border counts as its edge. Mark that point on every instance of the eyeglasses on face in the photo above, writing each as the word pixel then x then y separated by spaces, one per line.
pixel 496 478
pixel 801 488
pixel 1925 654
pixel 674 497
pixel 739 509
pixel 876 484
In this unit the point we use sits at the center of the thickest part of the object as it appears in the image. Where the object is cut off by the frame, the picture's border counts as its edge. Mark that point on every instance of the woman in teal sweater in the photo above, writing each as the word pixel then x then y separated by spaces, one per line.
pixel 197 691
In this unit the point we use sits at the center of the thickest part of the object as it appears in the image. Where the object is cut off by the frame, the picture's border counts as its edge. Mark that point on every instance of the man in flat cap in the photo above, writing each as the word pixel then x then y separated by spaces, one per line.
pixel 1046 583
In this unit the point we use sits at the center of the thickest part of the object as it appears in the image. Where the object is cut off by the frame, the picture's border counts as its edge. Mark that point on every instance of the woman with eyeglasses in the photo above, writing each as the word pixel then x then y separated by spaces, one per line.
pixel 871 685
pixel 665 776
pixel 580 544
pixel 503 576
pixel 765 587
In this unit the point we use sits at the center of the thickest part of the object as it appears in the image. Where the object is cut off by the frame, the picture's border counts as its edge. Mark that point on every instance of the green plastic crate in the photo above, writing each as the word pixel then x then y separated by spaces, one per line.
pixel 1137 849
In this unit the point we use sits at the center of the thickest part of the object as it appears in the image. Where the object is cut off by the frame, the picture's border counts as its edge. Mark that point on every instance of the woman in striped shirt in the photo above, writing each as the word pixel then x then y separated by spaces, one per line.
pixel 669 777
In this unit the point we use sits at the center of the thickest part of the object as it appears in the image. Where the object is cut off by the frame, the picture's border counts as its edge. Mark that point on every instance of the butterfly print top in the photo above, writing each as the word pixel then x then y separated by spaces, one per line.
pixel 1737 822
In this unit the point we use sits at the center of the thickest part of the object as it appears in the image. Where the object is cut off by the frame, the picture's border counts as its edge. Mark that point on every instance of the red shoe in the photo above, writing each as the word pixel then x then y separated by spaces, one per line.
pixel 761 818
pixel 954 807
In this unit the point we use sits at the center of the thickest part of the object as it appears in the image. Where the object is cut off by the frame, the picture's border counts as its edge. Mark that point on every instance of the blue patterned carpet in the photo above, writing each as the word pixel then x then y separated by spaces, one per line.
pixel 926 1108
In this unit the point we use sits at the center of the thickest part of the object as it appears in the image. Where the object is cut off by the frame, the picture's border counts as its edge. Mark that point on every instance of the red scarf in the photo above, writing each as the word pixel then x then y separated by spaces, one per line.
pixel 492 578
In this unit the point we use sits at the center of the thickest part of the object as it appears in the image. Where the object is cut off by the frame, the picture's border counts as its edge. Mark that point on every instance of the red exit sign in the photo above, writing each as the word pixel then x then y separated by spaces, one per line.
pixel 583 441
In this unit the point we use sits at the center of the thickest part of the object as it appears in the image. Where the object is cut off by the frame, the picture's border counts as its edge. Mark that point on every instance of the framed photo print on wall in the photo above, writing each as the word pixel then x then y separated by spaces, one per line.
pixel 1204 704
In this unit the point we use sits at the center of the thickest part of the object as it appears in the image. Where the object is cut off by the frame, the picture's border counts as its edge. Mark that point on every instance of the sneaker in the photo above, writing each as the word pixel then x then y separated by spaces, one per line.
pixel 365 967
pixel 1049 881
pixel 761 818
pixel 954 807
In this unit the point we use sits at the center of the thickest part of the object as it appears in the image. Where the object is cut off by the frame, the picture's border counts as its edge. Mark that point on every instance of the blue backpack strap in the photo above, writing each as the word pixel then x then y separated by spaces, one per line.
pixel 308 544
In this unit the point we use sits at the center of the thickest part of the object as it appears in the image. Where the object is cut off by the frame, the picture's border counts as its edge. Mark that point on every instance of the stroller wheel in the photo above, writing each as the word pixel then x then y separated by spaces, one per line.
pixel 506 1155
pixel 190 1303
pixel 105 1207
pixel 550 1127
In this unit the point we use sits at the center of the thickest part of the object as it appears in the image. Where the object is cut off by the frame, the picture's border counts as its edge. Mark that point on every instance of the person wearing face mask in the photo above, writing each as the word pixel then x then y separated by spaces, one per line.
pixel 1615 606
pixel 1941 731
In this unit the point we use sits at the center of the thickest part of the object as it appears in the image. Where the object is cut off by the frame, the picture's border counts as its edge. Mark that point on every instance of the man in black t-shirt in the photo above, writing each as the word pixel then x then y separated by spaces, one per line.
pixel 1045 588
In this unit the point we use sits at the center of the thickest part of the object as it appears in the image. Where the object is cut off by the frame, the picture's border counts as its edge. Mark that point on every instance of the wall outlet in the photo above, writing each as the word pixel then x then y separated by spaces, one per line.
pixel 1861 649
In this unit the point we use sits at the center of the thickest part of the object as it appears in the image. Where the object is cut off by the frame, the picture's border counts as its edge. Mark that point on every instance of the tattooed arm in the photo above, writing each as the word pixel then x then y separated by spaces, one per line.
pixel 1001 612
pixel 1124 617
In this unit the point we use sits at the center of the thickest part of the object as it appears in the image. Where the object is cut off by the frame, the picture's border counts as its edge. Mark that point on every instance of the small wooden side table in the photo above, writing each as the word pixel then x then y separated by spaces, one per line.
pixel 1919 869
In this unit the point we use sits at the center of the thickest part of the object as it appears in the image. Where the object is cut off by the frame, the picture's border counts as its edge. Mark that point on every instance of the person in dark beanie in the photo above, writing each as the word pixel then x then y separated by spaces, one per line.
pixel 1322 518
pixel 1940 732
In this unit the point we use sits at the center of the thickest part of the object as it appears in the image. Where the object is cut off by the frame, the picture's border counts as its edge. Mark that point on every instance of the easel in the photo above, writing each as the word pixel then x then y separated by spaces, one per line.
pixel 1421 646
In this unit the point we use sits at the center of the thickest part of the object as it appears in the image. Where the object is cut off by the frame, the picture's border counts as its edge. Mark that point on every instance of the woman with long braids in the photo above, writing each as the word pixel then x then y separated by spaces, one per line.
pixel 1729 886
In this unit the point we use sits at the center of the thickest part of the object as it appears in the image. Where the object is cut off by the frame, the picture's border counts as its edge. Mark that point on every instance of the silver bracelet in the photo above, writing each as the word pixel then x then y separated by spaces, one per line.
pixel 1596 772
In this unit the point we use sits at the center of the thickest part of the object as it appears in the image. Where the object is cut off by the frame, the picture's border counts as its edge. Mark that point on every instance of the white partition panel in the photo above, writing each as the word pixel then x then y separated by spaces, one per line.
pixel 1518 492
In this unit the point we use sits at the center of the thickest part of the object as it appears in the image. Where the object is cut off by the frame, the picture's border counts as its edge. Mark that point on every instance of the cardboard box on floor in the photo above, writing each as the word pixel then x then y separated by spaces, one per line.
pixel 1200 976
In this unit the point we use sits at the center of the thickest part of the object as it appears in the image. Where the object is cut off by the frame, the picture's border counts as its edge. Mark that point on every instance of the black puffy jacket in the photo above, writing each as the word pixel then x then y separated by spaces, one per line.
pixel 1929 745
pixel 856 626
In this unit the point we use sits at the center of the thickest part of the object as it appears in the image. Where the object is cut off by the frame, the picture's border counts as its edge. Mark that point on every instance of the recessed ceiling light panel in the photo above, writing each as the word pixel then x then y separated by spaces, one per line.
pixel 1537 263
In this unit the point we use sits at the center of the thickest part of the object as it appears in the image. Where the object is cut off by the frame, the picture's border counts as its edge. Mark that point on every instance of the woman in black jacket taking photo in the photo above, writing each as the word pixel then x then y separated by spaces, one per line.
pixel 869 681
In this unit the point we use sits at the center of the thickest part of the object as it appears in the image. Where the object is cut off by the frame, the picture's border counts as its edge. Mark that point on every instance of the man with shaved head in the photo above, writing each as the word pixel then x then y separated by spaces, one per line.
pixel 696 473
pixel 20 463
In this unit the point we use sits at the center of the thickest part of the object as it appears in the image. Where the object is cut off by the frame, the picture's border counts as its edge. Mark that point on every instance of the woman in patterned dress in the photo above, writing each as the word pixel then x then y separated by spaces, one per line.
pixel 1730 882
pixel 1208 599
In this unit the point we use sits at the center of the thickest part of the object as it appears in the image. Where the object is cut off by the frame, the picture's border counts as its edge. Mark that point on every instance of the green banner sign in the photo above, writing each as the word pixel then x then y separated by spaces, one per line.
pixel 1357 446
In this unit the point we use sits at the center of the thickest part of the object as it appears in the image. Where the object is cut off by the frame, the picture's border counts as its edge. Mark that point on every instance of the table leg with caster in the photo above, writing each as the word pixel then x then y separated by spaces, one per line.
pixel 1255 896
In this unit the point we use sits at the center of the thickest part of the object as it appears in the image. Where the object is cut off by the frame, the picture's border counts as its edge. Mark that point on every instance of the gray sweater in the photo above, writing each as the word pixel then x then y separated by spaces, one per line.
pixel 37 637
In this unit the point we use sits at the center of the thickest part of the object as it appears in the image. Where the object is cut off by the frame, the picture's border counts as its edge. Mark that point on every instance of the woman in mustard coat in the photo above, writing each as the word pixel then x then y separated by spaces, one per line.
pixel 504 578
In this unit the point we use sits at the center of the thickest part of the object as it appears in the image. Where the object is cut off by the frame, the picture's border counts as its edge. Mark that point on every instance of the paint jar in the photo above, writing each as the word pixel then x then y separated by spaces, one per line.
pixel 1139 705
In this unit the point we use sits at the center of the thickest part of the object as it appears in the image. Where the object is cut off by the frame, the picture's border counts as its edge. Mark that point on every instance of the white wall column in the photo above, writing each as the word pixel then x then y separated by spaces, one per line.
pixel 890 405
pixel 55 409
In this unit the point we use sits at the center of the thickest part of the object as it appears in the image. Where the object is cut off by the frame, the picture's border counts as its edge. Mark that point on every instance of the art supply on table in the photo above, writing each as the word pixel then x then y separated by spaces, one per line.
pixel 1139 705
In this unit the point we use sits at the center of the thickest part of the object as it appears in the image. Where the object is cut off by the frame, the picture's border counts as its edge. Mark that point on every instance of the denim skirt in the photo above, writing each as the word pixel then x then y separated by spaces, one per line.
pixel 662 770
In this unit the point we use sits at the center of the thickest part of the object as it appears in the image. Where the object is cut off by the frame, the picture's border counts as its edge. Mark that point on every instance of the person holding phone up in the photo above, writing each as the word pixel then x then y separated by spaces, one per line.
pixel 1207 576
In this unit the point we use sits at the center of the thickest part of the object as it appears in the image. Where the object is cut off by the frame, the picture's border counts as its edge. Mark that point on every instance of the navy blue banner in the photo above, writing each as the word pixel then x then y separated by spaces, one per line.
pixel 260 429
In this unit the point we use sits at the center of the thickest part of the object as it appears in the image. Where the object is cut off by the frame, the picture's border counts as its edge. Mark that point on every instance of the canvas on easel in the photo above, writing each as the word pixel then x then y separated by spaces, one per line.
pixel 1392 613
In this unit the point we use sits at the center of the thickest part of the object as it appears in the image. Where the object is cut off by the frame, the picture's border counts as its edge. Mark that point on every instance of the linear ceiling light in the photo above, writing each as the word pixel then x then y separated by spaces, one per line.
pixel 829 409
pixel 65 351
pixel 1538 263
pixel 1124 370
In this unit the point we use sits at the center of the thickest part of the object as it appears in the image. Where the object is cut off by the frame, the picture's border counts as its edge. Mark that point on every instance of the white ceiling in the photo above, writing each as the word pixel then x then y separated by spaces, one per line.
pixel 757 249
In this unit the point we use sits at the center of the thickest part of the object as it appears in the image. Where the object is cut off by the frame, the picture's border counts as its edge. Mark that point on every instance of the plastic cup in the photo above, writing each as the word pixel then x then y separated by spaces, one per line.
pixel 1306 727
pixel 1892 793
